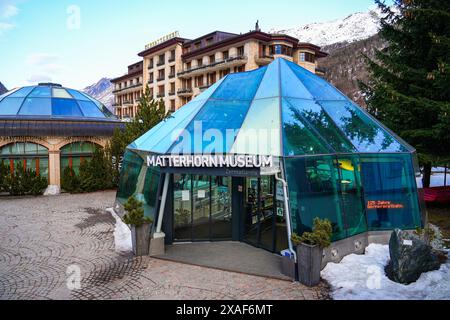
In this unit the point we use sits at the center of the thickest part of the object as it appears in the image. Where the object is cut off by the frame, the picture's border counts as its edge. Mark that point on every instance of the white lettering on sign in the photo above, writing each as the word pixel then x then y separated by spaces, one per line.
pixel 407 243
pixel 202 161
pixel 162 39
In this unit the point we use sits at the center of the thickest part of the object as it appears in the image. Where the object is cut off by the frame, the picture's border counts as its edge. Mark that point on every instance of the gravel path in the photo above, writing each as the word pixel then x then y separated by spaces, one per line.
pixel 46 242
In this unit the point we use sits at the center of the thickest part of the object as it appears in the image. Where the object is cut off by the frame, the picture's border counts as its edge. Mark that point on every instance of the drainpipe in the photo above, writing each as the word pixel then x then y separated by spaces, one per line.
pixel 163 203
pixel 288 215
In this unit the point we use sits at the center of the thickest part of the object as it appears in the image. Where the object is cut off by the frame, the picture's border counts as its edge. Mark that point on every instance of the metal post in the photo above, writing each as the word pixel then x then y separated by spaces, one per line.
pixel 163 203
pixel 288 215
pixel 445 176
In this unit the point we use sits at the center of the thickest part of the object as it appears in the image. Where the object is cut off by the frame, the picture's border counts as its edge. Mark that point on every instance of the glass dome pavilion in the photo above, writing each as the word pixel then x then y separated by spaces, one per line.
pixel 48 127
pixel 338 161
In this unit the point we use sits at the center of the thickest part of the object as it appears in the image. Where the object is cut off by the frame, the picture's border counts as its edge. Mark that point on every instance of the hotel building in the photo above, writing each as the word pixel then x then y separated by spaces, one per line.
pixel 177 69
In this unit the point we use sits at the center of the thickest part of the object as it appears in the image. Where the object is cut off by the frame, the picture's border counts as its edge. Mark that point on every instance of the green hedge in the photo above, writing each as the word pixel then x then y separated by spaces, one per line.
pixel 22 181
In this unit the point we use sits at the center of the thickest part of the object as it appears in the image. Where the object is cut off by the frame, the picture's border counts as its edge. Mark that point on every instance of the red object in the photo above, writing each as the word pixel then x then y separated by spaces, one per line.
pixel 437 194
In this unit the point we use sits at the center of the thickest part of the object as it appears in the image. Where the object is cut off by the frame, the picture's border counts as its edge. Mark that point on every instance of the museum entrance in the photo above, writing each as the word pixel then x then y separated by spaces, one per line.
pixel 218 208
pixel 202 208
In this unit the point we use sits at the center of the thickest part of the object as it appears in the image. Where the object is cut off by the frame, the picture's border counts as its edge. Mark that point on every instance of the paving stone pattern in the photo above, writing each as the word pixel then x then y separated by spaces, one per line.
pixel 45 241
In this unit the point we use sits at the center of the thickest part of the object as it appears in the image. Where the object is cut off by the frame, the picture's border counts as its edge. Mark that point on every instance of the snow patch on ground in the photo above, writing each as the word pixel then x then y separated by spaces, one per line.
pixel 52 190
pixel 362 277
pixel 122 234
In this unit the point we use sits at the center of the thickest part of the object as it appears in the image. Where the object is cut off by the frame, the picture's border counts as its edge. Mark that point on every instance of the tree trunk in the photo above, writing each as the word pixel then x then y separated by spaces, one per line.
pixel 427 175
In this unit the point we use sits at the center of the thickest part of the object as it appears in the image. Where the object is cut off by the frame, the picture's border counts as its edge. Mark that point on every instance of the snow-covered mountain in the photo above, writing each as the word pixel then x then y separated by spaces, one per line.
pixel 102 91
pixel 355 27
pixel 2 89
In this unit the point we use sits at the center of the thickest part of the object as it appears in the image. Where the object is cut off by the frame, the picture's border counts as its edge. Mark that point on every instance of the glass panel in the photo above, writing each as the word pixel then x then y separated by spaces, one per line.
pixel 316 117
pixel 221 208
pixel 298 138
pixel 365 134
pixel 10 106
pixel 21 93
pixel 260 132
pixel 291 86
pixel 313 190
pixel 78 95
pixel 90 109
pixel 217 117
pixel 266 196
pixel 43 167
pixel 41 92
pixel 66 107
pixel 390 192
pixel 251 223
pixel 182 207
pixel 240 86
pixel 270 83
pixel 202 208
pixel 159 139
pixel 36 106
pixel 151 191
pixel 61 93
pixel 131 168
pixel 351 195
pixel 318 87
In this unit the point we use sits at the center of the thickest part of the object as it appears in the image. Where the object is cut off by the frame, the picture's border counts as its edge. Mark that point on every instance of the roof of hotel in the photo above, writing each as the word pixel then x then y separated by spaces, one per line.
pixel 300 112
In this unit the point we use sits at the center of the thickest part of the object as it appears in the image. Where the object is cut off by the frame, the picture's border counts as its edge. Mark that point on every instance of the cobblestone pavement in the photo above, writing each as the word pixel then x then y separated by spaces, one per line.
pixel 44 241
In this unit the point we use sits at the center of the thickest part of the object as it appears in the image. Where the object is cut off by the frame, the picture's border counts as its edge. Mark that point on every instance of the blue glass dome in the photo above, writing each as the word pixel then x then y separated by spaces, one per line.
pixel 49 100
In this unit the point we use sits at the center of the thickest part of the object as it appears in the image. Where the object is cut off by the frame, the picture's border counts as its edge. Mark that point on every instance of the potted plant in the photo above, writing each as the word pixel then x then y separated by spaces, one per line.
pixel 140 226
pixel 310 250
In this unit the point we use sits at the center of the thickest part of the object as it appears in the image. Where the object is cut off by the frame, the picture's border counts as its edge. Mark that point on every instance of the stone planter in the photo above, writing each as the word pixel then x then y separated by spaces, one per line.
pixel 288 267
pixel 309 264
pixel 140 238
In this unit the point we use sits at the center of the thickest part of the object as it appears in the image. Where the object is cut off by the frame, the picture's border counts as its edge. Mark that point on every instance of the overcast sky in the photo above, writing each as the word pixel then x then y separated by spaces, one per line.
pixel 77 42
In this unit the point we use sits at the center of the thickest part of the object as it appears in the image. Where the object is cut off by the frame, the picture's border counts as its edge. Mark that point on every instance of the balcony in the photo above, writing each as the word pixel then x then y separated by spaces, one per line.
pixel 160 95
pixel 172 75
pixel 204 87
pixel 160 63
pixel 150 67
pixel 129 87
pixel 150 81
pixel 171 93
pixel 229 62
pixel 185 92
pixel 161 79
pixel 264 59
pixel 172 59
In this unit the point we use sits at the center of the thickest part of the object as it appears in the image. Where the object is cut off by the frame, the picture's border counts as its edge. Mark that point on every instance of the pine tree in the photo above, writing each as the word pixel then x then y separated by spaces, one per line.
pixel 409 87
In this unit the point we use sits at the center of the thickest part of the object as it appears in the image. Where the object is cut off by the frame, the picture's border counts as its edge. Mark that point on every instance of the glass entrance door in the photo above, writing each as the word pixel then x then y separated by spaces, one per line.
pixel 260 218
pixel 202 208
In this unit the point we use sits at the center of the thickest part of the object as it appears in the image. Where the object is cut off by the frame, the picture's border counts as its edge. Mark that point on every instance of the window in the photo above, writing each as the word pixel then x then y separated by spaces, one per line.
pixel 161 59
pixel 239 69
pixel 307 57
pixel 172 72
pixel 199 81
pixel 240 51
pixel 226 55
pixel 161 92
pixel 72 155
pixel 151 63
pixel 151 79
pixel 31 155
pixel 198 45
pixel 212 58
pixel 188 65
pixel 211 78
pixel 172 88
pixel 161 74
pixel 200 62
pixel 281 49
pixel 172 56
pixel 223 73
pixel 209 41
pixel 172 105
pixel 187 49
